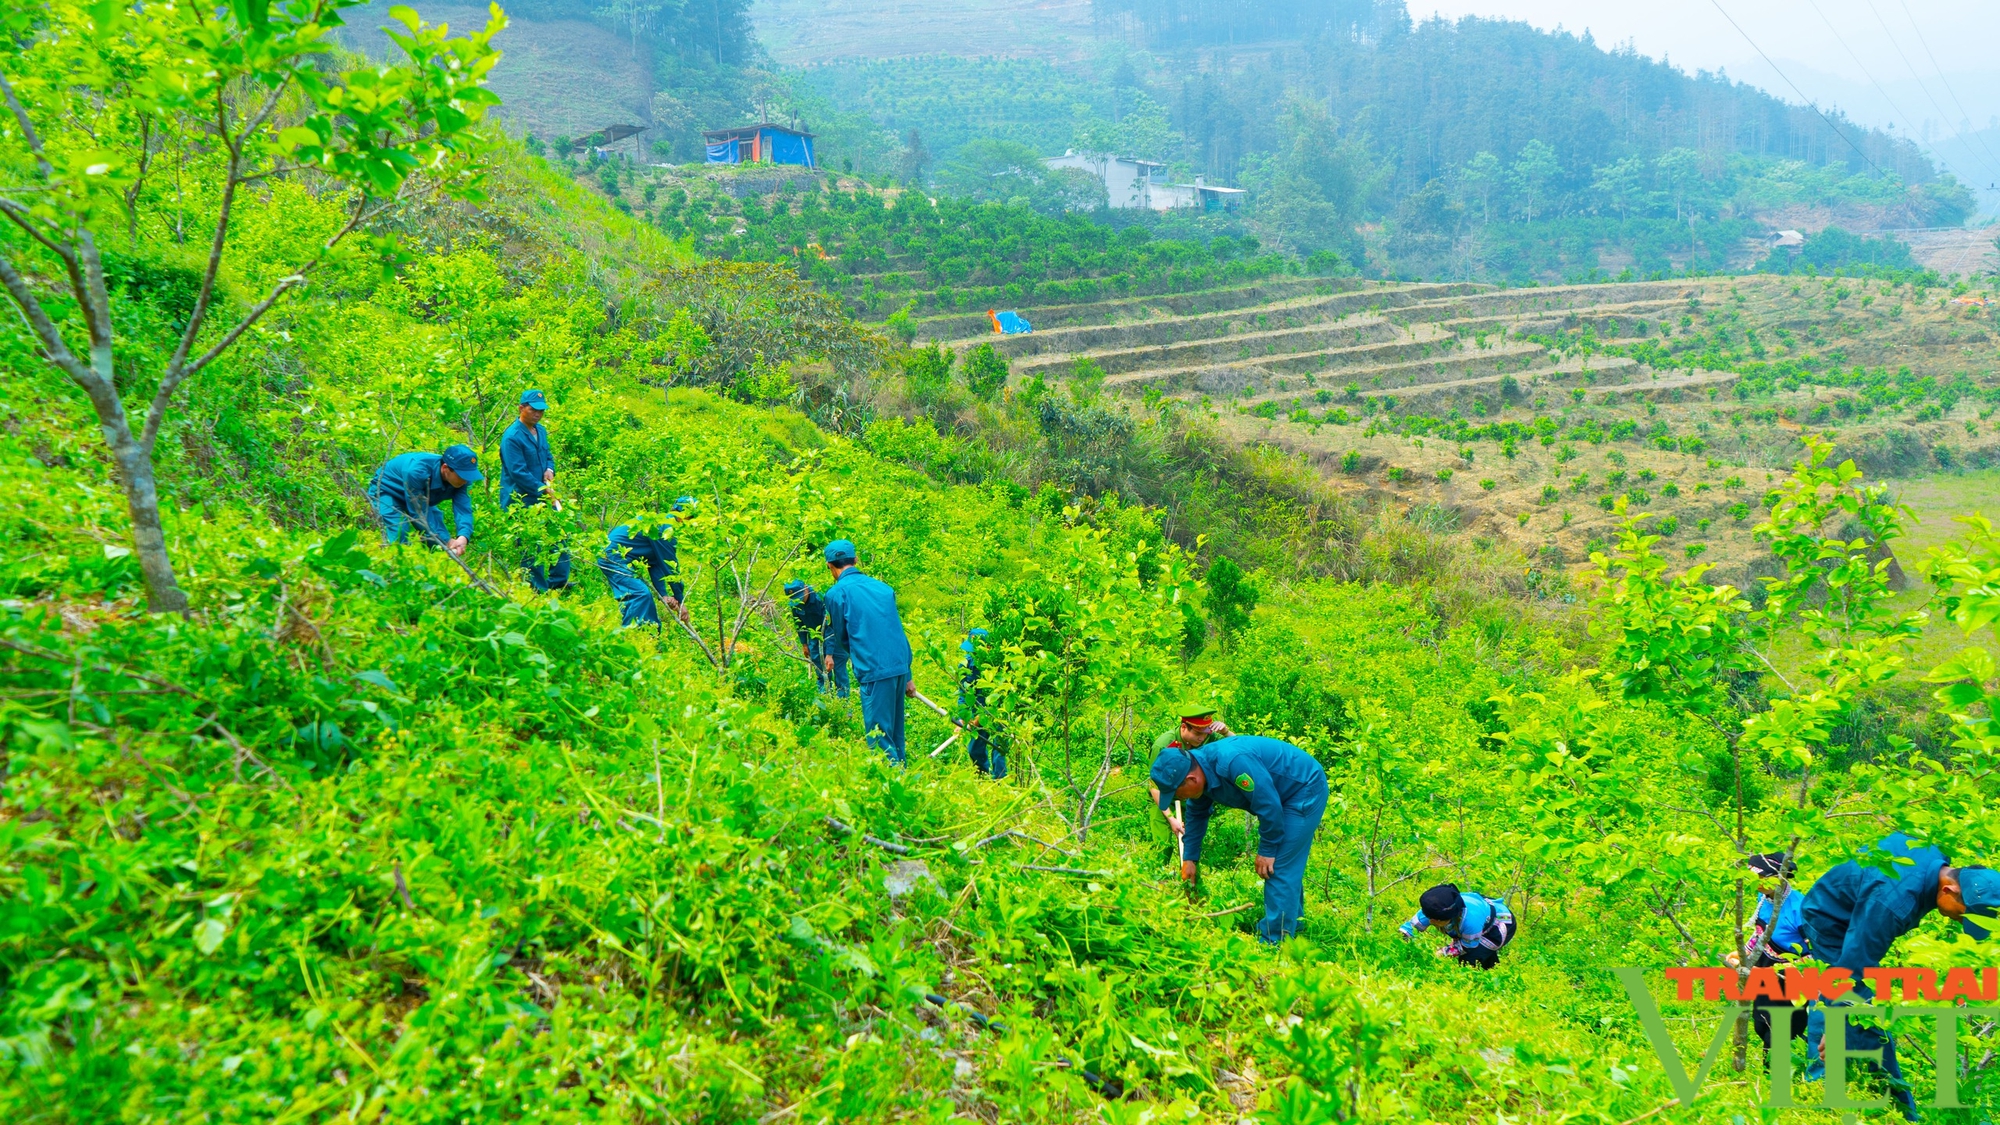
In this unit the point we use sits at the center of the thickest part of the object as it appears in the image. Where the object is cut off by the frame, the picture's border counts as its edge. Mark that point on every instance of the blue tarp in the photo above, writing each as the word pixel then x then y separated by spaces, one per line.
pixel 724 153
pixel 1011 323
pixel 787 148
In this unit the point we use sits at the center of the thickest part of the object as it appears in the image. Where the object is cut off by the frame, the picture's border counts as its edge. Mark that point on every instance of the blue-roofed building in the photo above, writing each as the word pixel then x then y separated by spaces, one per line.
pixel 760 144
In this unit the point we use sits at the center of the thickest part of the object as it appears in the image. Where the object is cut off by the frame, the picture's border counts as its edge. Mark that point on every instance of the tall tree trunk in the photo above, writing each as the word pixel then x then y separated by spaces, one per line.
pixel 142 498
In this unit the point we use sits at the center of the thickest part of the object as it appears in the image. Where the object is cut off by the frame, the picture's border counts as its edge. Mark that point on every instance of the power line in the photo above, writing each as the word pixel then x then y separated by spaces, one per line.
pixel 1911 67
pixel 1909 123
pixel 1810 104
pixel 1993 163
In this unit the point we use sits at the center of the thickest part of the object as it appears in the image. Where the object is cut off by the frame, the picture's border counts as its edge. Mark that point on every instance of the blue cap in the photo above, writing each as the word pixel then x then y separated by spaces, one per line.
pixel 796 588
pixel 1980 888
pixel 971 637
pixel 463 461
pixel 840 552
pixel 1171 766
pixel 534 399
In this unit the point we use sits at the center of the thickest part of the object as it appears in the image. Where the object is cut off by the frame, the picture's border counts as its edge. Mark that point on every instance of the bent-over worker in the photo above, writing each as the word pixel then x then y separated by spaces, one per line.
pixel 987 751
pixel 809 619
pixel 635 547
pixel 1275 781
pixel 863 626
pixel 1477 926
pixel 1855 912
pixel 409 487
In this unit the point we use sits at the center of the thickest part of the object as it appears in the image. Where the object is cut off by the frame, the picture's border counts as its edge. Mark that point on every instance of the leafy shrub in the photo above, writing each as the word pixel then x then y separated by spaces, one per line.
pixel 1230 598
pixel 985 372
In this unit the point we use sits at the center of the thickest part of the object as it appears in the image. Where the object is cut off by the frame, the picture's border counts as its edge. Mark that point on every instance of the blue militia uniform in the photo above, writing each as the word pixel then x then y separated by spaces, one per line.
pixel 658 556
pixel 1855 912
pixel 524 457
pixel 986 751
pixel 809 618
pixel 1285 789
pixel 863 626
pixel 409 487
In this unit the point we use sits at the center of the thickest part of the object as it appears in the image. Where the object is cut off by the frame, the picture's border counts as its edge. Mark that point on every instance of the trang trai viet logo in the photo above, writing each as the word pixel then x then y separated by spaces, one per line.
pixel 1924 993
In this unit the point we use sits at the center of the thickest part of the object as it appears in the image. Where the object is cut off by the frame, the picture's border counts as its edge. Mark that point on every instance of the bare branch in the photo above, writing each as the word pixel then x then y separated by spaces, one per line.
pixel 885 845
pixel 262 115
pixel 178 370
pixel 196 318
pixel 53 346
pixel 20 218
pixel 33 138
pixel 1774 669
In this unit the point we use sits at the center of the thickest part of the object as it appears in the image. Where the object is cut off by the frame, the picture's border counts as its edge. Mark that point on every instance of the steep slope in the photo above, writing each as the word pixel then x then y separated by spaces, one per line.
pixel 369 834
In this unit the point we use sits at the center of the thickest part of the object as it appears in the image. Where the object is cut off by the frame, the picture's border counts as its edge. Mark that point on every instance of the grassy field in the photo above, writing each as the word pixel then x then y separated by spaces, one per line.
pixel 558 77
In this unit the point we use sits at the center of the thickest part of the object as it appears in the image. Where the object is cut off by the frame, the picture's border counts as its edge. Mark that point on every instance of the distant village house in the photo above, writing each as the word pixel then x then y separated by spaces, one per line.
pixel 1131 183
pixel 760 144
pixel 611 141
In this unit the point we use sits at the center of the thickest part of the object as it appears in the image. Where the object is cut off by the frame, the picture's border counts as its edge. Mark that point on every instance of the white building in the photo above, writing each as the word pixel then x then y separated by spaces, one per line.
pixel 1131 183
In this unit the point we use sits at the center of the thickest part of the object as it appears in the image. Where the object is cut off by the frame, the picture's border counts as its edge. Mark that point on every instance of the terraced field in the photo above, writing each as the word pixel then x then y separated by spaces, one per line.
pixel 1520 415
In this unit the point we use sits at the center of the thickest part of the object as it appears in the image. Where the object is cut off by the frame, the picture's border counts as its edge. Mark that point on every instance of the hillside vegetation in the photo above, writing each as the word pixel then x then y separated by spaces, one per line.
pixel 368 832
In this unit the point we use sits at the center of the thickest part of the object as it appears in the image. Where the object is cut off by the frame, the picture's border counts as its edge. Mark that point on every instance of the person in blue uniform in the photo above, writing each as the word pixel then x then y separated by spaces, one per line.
pixel 527 467
pixel 987 752
pixel 1479 927
pixel 863 626
pixel 635 549
pixel 809 619
pixel 410 487
pixel 1278 783
pixel 1856 911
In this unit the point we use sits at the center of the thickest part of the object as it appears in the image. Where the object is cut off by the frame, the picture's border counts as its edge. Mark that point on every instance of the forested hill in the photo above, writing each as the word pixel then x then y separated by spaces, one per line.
pixel 1354 115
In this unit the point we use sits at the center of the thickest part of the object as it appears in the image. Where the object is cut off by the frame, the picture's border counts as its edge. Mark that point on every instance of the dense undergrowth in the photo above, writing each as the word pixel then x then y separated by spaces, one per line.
pixel 360 837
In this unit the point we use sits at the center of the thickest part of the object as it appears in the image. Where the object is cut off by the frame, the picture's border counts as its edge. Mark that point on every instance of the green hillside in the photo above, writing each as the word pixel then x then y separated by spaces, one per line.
pixel 372 833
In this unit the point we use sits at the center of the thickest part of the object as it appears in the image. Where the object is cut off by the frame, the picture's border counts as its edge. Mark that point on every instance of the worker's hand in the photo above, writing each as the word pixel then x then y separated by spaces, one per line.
pixel 827 663
pixel 677 609
pixel 1187 870
pixel 1265 865
pixel 548 476
pixel 910 689
pixel 1733 959
pixel 457 546
pixel 1179 826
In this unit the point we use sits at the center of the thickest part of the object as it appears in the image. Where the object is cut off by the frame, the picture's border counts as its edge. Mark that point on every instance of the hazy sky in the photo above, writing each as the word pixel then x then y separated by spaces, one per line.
pixel 1961 34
